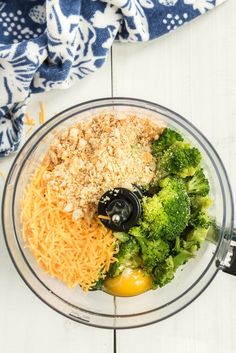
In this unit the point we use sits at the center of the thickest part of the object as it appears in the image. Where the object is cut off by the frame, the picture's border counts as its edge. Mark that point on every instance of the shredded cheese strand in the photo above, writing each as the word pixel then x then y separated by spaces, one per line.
pixel 41 113
pixel 28 120
pixel 75 252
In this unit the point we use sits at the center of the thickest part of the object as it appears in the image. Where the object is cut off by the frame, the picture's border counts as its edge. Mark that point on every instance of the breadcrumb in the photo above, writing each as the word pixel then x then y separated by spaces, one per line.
pixel 94 156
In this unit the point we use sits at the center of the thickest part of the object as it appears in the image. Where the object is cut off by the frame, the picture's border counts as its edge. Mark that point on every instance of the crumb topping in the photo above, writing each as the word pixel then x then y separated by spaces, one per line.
pixel 97 155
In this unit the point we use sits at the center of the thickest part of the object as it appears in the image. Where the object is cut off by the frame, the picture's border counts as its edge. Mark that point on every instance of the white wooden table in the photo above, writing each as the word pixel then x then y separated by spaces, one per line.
pixel 191 71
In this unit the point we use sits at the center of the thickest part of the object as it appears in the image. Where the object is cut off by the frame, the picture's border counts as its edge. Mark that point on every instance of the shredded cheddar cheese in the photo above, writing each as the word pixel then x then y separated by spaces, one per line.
pixel 75 252
pixel 104 217
pixel 28 120
pixel 41 113
pixel 2 175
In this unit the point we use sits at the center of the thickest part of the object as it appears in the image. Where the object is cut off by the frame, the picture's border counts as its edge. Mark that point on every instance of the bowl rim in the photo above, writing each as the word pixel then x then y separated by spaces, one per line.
pixel 110 101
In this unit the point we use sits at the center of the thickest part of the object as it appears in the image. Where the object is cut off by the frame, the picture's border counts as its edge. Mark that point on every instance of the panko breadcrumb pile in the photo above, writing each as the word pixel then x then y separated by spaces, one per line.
pixel 97 155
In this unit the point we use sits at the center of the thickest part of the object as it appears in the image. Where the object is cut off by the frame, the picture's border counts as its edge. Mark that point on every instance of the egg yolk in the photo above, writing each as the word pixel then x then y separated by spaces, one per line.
pixel 130 282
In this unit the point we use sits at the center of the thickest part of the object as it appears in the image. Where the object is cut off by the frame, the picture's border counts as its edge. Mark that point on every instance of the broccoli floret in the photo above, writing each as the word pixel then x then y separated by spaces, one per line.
pixel 152 210
pixel 98 285
pixel 200 219
pixel 199 215
pixel 167 138
pixel 184 250
pixel 138 232
pixel 213 233
pixel 181 244
pixel 197 235
pixel 180 159
pixel 128 256
pixel 198 184
pixel 153 251
pixel 181 258
pixel 176 204
pixel 200 203
pixel 164 272
pixel 198 228
pixel 166 214
pixel 121 236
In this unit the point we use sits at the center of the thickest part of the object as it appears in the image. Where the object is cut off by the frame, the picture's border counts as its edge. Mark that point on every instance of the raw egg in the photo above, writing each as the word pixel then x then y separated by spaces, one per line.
pixel 130 282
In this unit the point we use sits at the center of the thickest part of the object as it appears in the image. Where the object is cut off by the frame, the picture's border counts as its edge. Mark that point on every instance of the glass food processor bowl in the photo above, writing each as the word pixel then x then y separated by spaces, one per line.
pixel 98 308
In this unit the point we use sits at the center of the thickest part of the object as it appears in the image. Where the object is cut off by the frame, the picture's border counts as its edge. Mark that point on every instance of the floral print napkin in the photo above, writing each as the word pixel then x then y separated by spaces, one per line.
pixel 53 43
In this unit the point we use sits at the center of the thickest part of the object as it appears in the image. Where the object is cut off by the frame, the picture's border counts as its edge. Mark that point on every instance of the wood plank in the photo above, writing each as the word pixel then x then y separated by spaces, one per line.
pixel 206 325
pixel 192 71
pixel 26 324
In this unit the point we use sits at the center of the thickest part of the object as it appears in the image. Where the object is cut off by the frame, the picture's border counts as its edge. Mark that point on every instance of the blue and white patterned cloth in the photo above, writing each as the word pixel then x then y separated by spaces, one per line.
pixel 53 43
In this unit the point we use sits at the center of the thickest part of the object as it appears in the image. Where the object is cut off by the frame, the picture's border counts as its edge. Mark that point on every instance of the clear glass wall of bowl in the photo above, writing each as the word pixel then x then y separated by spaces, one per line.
pixel 98 308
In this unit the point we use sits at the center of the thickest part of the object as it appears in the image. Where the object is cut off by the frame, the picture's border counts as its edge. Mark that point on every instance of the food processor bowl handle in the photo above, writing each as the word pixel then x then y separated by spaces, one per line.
pixel 231 268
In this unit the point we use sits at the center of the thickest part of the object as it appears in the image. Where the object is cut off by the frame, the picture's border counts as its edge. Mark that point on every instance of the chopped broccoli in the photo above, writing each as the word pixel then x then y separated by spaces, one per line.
pixel 181 244
pixel 98 285
pixel 128 256
pixel 164 272
pixel 183 250
pixel 176 203
pixel 121 236
pixel 200 222
pixel 199 215
pixel 166 215
pixel 138 232
pixel 199 203
pixel 197 235
pixel 213 233
pixel 198 184
pixel 167 138
pixel 153 212
pixel 153 251
pixel 182 257
pixel 200 219
pixel 180 159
